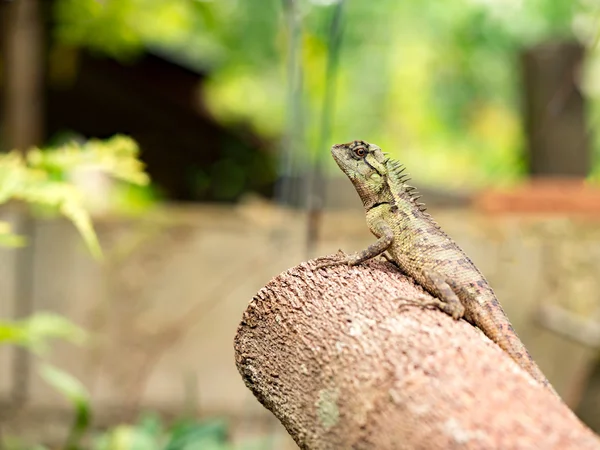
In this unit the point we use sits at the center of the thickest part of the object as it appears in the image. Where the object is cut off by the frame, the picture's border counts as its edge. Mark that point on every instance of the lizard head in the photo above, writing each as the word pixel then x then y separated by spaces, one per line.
pixel 364 164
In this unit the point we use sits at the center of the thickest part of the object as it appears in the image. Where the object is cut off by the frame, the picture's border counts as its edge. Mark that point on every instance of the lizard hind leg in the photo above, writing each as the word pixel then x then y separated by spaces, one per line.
pixel 447 299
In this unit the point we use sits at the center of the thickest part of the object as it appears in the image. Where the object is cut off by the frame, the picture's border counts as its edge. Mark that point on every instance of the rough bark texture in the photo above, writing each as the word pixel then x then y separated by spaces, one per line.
pixel 342 363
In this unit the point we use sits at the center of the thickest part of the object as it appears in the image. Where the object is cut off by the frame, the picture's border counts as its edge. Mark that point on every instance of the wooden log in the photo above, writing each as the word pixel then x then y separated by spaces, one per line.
pixel 343 363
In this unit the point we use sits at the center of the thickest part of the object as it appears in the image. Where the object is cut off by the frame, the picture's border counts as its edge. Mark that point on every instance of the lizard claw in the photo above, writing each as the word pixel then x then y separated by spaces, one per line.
pixel 330 264
pixel 330 261
pixel 426 301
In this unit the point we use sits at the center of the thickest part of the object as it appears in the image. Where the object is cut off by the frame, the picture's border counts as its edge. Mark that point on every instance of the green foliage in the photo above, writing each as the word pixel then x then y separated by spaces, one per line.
pixel 436 82
pixel 117 156
pixel 122 28
pixel 34 332
pixel 150 434
pixel 70 387
pixel 42 178
pixel 20 181
pixel 8 238
pixel 76 393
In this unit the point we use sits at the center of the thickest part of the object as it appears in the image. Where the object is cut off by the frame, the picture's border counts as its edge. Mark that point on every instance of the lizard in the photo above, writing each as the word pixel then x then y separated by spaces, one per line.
pixel 418 246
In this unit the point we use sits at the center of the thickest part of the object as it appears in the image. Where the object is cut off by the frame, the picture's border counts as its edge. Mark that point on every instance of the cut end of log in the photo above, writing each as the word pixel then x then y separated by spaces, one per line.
pixel 343 363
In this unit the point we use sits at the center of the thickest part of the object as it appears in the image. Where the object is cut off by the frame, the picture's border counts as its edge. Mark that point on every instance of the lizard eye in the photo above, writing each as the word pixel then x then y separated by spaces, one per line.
pixel 360 151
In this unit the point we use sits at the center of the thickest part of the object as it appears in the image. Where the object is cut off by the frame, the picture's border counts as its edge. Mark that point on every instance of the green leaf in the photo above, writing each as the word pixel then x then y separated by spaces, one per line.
pixel 9 239
pixel 117 156
pixel 44 325
pixel 66 384
pixel 76 393
pixel 207 435
pixel 12 333
pixel 82 221
pixel 42 179
pixel 127 437
pixel 150 424
pixel 34 332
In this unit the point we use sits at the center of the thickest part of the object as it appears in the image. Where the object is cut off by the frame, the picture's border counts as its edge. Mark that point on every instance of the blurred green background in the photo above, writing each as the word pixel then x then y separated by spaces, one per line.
pixel 438 85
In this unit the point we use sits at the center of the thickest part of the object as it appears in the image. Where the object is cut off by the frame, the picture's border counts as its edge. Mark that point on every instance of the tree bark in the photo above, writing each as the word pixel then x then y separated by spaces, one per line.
pixel 343 363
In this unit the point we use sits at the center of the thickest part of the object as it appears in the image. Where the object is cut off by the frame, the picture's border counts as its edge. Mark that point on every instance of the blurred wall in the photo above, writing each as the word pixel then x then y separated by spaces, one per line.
pixel 163 309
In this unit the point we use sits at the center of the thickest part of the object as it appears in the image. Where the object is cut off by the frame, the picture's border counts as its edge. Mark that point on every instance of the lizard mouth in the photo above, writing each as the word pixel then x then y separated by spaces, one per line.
pixel 373 168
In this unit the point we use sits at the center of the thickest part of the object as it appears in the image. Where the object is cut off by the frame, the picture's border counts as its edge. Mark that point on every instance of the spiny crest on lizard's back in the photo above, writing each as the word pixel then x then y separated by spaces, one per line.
pixel 398 181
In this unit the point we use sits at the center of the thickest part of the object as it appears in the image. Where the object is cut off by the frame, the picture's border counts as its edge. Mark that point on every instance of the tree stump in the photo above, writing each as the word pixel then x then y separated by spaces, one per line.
pixel 343 363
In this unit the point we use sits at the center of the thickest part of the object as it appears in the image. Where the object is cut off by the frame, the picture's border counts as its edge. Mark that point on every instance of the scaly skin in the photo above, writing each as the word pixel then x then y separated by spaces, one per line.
pixel 422 250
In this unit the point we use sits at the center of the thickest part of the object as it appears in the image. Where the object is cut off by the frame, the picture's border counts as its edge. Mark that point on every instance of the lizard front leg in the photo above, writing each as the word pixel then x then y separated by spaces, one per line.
pixel 386 237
